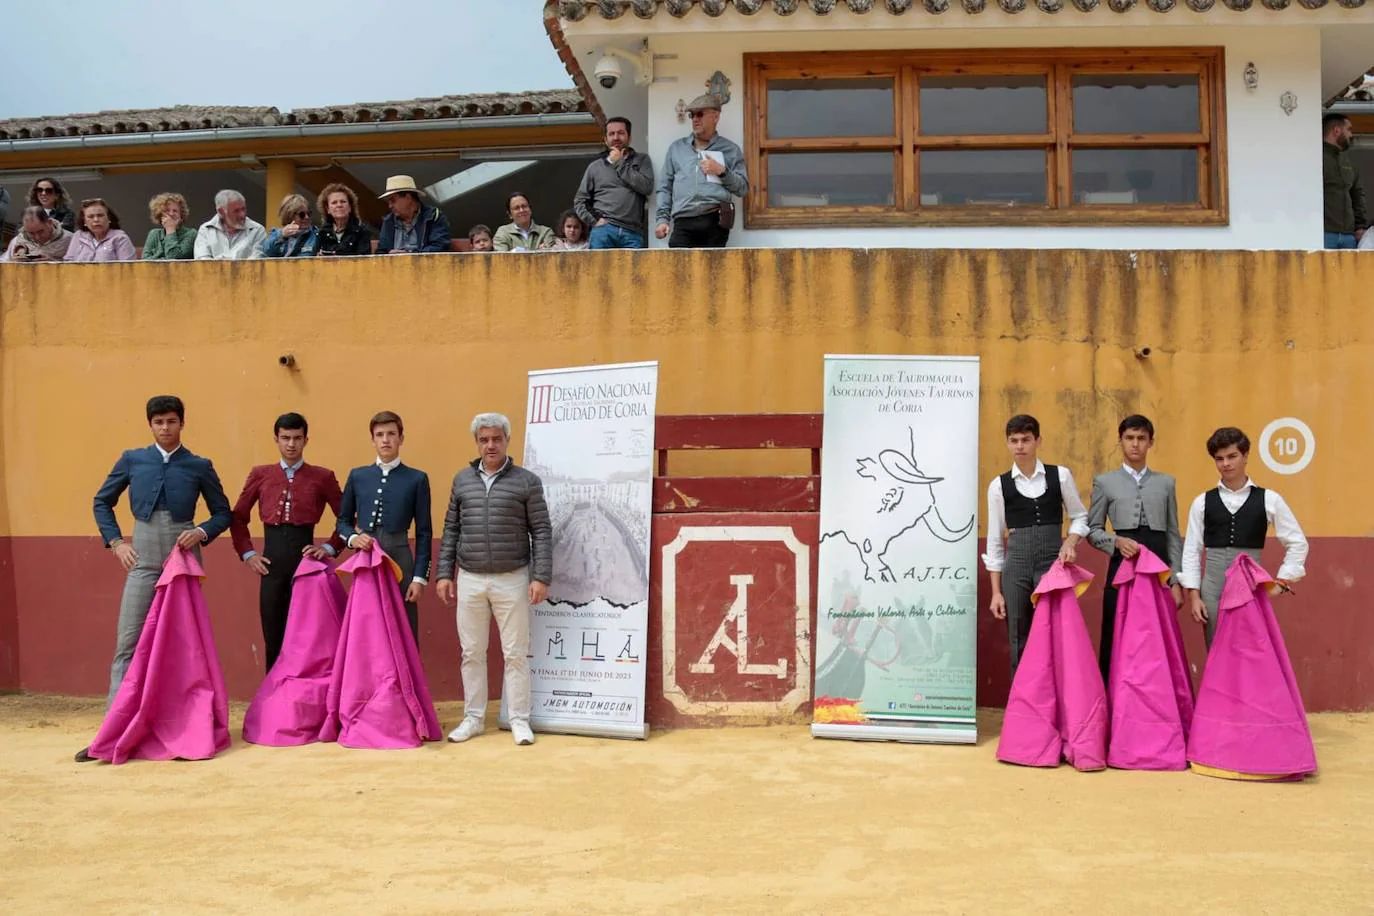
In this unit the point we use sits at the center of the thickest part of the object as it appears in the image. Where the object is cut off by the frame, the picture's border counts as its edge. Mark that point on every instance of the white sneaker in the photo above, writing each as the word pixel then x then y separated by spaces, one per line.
pixel 470 727
pixel 521 732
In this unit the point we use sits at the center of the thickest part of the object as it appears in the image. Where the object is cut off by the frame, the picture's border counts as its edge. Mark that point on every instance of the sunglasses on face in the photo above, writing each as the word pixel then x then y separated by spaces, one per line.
pixel 302 215
pixel 47 190
pixel 696 114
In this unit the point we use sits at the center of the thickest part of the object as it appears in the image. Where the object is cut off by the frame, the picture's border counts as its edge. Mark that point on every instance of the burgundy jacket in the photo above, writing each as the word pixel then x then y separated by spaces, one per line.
pixel 311 489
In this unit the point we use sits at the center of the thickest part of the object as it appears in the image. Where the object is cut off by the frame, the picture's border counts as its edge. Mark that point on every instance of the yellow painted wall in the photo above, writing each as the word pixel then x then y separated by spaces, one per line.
pixel 1236 337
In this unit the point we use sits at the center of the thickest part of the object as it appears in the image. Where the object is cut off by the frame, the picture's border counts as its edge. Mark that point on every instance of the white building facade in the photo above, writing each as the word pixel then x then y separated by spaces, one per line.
pixel 887 123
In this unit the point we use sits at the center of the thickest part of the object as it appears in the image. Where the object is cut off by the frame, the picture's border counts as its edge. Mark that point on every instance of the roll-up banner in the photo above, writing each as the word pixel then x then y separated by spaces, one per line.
pixel 589 435
pixel 896 601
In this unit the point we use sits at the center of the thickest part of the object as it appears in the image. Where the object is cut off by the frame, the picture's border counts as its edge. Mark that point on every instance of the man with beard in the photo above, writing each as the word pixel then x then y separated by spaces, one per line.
pixel 615 190
pixel 1346 212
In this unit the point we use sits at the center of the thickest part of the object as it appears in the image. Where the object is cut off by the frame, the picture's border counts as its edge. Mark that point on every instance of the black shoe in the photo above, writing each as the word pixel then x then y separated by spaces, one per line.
pixel 84 755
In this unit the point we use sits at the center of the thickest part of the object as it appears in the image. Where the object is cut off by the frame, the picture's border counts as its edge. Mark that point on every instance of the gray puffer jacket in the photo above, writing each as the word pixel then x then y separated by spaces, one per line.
pixel 500 530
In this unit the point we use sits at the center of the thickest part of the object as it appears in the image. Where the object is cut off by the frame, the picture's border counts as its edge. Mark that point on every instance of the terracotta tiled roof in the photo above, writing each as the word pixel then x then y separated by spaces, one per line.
pixel 575 10
pixel 179 117
pixel 197 117
pixel 555 11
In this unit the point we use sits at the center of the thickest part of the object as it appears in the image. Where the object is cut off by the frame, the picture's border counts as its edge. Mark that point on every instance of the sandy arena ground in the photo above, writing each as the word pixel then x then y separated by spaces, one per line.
pixel 741 820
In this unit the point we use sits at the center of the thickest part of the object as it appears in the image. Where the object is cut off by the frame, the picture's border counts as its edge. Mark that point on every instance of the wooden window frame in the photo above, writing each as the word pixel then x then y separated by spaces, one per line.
pixel 1059 65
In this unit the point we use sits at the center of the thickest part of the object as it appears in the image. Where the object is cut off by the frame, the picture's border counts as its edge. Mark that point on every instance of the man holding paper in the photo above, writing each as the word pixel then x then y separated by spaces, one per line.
pixel 702 174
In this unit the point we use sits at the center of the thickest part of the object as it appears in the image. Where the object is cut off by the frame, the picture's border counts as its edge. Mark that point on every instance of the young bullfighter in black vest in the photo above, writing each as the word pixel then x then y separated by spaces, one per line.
pixel 1027 505
pixel 1230 519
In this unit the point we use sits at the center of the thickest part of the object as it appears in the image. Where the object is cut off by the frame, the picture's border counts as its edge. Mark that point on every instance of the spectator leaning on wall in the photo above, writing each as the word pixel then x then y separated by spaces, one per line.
pixel 702 174
pixel 172 240
pixel 230 235
pixel 411 227
pixel 615 190
pixel 40 238
pixel 1343 200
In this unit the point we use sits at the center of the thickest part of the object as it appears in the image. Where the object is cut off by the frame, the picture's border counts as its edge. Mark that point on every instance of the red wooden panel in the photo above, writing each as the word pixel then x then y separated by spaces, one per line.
pixel 765 430
pixel 737 494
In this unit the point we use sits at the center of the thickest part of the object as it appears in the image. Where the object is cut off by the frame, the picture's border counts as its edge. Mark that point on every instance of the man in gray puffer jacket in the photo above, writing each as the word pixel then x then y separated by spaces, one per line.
pixel 497 534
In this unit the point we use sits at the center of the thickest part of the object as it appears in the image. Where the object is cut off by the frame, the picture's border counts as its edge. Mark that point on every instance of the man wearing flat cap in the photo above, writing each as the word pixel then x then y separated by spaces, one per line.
pixel 702 174
pixel 411 227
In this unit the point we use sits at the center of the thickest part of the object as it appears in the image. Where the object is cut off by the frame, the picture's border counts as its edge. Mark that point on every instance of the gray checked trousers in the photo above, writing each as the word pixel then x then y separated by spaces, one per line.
pixel 1030 554
pixel 153 542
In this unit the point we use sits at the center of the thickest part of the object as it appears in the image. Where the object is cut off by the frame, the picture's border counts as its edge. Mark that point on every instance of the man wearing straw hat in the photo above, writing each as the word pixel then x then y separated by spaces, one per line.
pixel 411 227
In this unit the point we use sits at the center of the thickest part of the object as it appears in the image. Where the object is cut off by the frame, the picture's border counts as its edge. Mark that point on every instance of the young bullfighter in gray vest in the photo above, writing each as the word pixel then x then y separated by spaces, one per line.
pixel 1142 506
pixel 1027 504
pixel 1232 519
pixel 498 541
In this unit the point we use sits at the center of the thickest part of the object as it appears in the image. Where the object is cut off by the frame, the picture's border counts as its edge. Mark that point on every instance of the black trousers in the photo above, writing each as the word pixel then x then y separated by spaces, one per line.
pixel 282 548
pixel 397 546
pixel 1158 543
pixel 698 232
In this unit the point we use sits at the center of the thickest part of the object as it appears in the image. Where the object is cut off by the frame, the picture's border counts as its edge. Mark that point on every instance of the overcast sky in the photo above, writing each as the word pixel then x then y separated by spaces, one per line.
pixel 95 55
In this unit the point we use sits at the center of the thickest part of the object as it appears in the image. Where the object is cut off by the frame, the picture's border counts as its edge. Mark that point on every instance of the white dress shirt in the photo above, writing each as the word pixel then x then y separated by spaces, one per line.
pixel 1137 476
pixel 1286 528
pixel 1031 487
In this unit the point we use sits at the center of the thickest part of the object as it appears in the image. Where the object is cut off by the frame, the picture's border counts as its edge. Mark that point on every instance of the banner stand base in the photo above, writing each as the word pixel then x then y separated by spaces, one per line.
pixel 930 734
pixel 631 731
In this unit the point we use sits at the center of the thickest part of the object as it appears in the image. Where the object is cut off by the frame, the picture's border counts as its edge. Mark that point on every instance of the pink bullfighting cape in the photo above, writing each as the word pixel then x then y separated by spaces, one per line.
pixel 1250 722
pixel 377 697
pixel 1057 708
pixel 1149 691
pixel 172 702
pixel 289 708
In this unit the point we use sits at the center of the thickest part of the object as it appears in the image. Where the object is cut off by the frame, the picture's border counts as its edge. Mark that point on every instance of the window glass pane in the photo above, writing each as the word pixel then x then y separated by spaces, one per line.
pixel 830 179
pixel 830 108
pixel 1157 103
pixel 952 105
pixel 1135 176
pixel 1001 177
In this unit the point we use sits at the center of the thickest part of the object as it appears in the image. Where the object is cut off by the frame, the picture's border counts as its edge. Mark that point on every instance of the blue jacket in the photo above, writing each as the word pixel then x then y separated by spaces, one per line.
pixel 406 502
pixel 180 481
pixel 301 245
pixel 431 229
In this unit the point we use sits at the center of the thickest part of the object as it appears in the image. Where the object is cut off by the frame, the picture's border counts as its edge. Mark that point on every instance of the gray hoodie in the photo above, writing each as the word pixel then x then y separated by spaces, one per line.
pixel 616 193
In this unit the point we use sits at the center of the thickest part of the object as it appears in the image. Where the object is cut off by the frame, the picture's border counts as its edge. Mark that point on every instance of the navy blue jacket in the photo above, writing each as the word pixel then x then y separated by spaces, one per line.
pixel 406 501
pixel 180 482
pixel 431 229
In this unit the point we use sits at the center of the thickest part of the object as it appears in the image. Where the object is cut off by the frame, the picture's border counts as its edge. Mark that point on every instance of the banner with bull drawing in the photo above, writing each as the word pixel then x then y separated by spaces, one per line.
pixel 896 601
pixel 589 435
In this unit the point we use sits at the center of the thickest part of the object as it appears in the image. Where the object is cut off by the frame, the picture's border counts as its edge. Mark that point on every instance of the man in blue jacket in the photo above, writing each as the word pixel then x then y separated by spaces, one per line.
pixel 164 481
pixel 411 227
pixel 381 501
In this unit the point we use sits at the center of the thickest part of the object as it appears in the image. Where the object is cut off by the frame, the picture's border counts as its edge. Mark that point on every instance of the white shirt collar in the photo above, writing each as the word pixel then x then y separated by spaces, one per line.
pixel 1243 487
pixel 482 468
pixel 166 455
pixel 1039 471
pixel 1138 475
pixel 388 466
pixel 292 467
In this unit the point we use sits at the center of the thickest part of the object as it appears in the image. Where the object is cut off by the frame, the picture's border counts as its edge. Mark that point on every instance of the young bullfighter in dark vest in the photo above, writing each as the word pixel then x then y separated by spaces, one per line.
pixel 1026 505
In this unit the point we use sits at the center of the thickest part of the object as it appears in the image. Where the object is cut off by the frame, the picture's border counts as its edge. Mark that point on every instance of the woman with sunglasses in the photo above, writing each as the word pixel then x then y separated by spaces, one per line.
pixel 49 194
pixel 98 236
pixel 298 237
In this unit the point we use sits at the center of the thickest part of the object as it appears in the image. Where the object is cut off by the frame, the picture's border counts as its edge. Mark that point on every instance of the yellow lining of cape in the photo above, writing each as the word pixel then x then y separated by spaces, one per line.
pixel 1218 772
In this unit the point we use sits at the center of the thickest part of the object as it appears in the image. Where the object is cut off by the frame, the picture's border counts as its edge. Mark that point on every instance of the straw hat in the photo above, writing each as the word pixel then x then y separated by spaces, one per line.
pixel 398 183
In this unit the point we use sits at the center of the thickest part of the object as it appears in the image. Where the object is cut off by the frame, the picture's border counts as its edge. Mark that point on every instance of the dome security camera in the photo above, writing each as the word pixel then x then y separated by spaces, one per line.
pixel 608 71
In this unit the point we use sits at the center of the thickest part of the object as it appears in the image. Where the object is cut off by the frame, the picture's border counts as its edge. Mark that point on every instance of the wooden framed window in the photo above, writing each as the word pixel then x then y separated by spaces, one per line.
pixel 1090 136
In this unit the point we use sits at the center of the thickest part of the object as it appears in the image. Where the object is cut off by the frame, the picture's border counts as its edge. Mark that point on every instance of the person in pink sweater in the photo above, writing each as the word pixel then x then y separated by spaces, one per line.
pixel 98 236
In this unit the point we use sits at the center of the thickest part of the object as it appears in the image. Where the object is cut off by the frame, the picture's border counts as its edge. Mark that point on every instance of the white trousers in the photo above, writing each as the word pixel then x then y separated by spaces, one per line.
pixel 507 597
